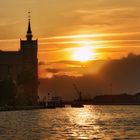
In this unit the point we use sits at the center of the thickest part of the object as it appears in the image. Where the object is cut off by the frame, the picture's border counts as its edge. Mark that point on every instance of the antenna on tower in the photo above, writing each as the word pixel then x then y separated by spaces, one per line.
pixel 29 15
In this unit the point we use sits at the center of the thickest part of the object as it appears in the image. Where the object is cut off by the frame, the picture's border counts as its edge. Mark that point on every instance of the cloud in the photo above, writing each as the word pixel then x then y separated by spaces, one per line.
pixel 41 63
pixel 9 40
pixel 69 62
pixel 52 70
pixel 123 74
pixel 70 68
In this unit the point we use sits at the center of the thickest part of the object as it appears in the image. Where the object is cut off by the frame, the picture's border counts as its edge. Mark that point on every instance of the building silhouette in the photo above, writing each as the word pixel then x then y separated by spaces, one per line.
pixel 22 67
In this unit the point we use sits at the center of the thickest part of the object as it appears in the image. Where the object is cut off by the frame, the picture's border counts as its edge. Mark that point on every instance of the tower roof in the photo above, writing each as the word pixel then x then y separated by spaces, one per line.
pixel 29 31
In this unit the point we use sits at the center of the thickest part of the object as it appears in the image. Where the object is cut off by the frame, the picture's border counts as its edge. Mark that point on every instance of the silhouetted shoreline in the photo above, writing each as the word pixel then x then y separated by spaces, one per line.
pixel 3 109
pixel 120 99
pixel 21 108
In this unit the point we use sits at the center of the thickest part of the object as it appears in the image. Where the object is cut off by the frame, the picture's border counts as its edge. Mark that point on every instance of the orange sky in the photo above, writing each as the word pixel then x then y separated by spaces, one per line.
pixel 111 28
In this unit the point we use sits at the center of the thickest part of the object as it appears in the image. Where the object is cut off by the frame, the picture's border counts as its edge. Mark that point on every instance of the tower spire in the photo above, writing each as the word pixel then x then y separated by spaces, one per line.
pixel 29 31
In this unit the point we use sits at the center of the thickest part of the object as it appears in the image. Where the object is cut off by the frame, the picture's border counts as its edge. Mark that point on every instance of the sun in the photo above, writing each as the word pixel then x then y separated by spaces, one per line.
pixel 83 54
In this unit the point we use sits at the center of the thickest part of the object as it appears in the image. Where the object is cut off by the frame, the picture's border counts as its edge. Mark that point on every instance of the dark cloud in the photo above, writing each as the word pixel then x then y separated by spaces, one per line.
pixel 52 70
pixel 123 74
pixel 41 63
pixel 124 71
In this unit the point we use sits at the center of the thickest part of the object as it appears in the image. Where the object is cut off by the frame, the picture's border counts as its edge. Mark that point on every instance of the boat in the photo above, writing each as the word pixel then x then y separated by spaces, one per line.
pixel 77 104
pixel 54 102
pixel 50 105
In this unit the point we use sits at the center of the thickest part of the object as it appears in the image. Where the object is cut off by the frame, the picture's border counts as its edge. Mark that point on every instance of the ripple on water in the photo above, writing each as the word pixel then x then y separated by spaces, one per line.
pixel 90 122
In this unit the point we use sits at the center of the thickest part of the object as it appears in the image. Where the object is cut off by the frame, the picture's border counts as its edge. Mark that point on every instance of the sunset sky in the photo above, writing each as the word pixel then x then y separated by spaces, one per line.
pixel 110 27
pixel 73 34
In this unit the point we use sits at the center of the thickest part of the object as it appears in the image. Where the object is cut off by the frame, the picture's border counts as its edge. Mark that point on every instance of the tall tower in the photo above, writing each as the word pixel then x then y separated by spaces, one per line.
pixel 29 31
pixel 28 50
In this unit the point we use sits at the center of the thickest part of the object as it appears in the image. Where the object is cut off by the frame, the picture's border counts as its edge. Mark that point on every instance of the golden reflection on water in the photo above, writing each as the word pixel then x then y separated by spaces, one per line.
pixel 90 122
pixel 83 119
pixel 81 116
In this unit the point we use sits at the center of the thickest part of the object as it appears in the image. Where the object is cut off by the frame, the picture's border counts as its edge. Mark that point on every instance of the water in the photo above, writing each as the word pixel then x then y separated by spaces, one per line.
pixel 90 122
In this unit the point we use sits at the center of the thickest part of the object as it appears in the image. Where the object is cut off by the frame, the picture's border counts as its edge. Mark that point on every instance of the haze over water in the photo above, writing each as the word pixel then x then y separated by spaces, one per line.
pixel 90 122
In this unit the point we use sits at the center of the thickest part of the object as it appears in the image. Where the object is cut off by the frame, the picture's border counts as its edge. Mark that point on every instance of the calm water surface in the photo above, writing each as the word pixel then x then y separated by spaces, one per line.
pixel 90 122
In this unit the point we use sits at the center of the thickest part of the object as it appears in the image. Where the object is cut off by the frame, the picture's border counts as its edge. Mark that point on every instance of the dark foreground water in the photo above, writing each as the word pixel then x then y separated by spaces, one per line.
pixel 90 122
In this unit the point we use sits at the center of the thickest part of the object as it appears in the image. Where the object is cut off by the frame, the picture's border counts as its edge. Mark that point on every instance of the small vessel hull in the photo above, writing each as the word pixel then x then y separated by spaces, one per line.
pixel 77 105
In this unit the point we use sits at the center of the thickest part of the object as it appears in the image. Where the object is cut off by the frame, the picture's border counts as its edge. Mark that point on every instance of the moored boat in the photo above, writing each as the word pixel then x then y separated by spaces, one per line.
pixel 55 101
pixel 77 104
